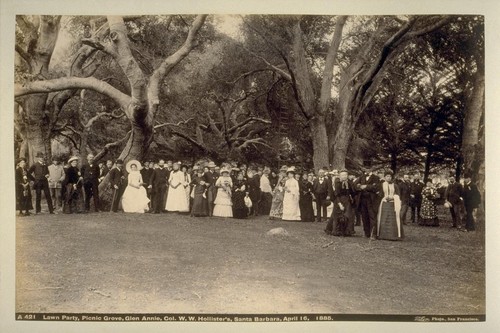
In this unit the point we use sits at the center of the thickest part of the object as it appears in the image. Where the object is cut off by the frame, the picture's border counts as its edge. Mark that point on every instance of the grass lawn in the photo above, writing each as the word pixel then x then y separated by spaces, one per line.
pixel 170 263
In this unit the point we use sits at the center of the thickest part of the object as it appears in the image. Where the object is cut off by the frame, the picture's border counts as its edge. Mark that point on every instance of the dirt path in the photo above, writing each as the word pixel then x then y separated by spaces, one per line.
pixel 173 264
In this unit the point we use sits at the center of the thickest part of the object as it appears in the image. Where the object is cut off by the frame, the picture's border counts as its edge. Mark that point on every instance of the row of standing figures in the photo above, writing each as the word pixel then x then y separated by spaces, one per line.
pixel 381 204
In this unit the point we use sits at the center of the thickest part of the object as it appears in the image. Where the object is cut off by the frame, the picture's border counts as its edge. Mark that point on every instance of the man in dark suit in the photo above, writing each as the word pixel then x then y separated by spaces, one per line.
pixel 117 181
pixel 210 178
pixel 90 174
pixel 472 199
pixel 453 195
pixel 147 173
pixel 323 191
pixel 416 188
pixel 404 194
pixel 254 191
pixel 39 173
pixel 368 186
pixel 158 185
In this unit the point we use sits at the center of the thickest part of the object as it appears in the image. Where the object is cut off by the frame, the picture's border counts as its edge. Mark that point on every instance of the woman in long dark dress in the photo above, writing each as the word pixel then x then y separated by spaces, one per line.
pixel 23 190
pixel 306 199
pixel 389 225
pixel 429 208
pixel 240 191
pixel 200 202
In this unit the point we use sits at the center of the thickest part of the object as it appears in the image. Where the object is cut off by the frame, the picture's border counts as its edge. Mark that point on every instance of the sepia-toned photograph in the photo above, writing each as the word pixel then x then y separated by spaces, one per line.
pixel 249 167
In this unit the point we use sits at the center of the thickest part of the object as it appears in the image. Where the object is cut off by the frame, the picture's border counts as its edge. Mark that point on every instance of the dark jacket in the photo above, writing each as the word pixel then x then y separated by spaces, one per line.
pixel 72 175
pixel 38 172
pixel 117 177
pixel 370 194
pixel 159 177
pixel 472 196
pixel 404 189
pixel 90 173
pixel 324 188
pixel 147 174
pixel 454 193
pixel 210 177
pixel 416 188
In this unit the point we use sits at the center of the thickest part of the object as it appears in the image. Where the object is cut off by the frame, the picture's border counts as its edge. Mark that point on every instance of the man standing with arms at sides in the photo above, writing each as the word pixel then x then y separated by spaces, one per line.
pixel 404 195
pixel 210 177
pixel 116 179
pixel 416 188
pixel 453 195
pixel 472 199
pixel 368 185
pixel 90 174
pixel 147 173
pixel 254 190
pixel 158 185
pixel 39 172
pixel 56 177
pixel 266 192
pixel 323 191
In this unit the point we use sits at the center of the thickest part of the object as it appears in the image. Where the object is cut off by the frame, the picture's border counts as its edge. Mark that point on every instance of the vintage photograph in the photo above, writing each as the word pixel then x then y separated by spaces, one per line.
pixel 249 167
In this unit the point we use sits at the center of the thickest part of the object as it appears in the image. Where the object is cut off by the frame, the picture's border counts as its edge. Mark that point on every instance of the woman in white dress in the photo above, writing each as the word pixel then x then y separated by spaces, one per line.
pixel 135 198
pixel 291 208
pixel 223 204
pixel 176 199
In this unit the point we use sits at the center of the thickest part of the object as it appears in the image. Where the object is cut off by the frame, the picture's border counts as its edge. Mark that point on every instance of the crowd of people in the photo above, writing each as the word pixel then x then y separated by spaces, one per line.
pixel 373 198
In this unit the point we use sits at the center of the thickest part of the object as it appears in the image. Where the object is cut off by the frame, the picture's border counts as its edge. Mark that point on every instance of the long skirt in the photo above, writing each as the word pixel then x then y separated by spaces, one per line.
pixel 223 207
pixel 200 204
pixel 387 226
pixel 240 210
pixel 429 213
pixel 277 205
pixel 341 222
pixel 306 208
pixel 135 200
pixel 266 200
pixel 24 198
pixel 176 200
pixel 291 209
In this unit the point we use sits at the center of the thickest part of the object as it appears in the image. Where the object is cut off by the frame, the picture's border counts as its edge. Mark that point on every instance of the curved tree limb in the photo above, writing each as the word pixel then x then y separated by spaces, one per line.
pixel 73 83
pixel 171 61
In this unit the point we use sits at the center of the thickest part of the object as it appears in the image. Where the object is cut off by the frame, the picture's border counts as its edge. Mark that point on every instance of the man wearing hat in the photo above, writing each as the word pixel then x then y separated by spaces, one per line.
pixel 254 190
pixel 56 177
pixel 323 192
pixel 210 178
pixel 472 200
pixel 117 181
pixel 90 173
pixel 147 173
pixel 72 185
pixel 368 186
pixel 40 173
pixel 158 186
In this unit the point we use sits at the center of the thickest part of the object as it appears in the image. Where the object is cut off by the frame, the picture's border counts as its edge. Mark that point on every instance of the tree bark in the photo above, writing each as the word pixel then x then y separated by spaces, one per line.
pixel 41 38
pixel 473 155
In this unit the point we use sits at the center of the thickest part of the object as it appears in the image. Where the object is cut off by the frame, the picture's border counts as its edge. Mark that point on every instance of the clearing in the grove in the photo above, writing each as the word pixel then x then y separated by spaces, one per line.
pixel 170 263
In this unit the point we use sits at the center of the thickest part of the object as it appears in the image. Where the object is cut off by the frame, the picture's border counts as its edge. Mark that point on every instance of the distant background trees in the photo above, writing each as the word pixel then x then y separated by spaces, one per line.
pixel 339 91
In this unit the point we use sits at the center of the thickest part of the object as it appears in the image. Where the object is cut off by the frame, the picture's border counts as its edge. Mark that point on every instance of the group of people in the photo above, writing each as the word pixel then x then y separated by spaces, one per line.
pixel 341 199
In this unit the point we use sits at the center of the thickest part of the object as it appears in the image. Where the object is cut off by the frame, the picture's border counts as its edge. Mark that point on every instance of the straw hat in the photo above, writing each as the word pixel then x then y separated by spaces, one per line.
pixel 73 158
pixel 211 164
pixel 129 165
pixel 224 170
